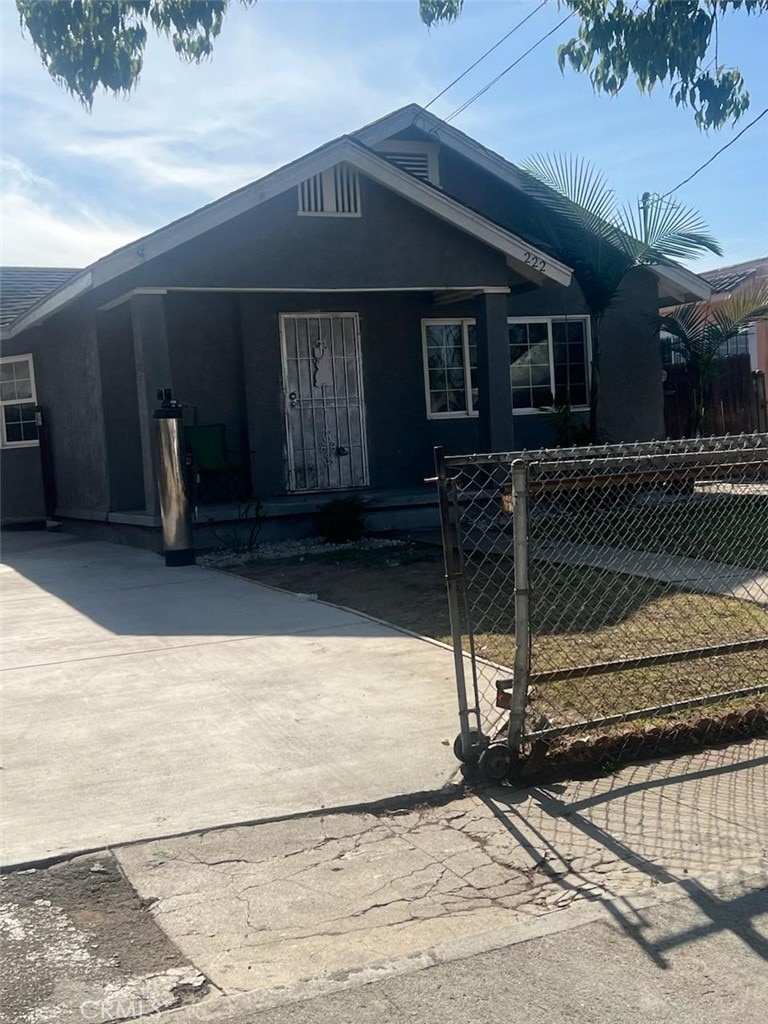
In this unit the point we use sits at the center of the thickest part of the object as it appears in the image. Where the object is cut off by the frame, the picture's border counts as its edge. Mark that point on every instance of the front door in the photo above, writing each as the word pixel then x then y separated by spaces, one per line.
pixel 323 393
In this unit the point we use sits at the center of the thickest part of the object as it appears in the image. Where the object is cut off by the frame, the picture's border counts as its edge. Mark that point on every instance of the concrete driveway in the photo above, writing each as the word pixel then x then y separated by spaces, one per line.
pixel 141 701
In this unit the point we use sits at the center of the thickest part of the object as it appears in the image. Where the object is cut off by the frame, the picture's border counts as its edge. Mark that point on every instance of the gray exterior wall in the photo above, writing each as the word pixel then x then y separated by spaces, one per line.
pixel 207 363
pixel 69 387
pixel 400 437
pixel 392 245
pixel 21 476
pixel 631 405
pixel 117 367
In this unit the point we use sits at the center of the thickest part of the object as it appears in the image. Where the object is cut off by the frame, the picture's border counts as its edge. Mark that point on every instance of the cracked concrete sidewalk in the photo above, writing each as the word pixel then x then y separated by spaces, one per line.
pixel 257 908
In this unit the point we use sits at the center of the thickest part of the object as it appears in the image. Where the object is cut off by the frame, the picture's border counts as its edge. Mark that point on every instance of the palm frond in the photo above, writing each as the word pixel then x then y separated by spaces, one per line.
pixel 574 189
pixel 665 230
pixel 740 310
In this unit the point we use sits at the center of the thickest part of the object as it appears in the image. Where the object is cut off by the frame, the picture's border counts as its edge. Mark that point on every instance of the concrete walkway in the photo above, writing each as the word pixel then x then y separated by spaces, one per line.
pixel 142 701
pixel 694 574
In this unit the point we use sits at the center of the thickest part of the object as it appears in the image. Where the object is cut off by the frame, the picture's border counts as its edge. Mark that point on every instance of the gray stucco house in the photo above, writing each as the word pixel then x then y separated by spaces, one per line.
pixel 329 324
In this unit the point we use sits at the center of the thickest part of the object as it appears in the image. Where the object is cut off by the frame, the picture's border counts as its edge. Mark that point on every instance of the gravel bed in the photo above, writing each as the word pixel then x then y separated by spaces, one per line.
pixel 292 549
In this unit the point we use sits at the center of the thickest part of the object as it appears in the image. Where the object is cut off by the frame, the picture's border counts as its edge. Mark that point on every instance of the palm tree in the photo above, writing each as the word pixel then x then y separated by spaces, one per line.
pixel 602 241
pixel 701 330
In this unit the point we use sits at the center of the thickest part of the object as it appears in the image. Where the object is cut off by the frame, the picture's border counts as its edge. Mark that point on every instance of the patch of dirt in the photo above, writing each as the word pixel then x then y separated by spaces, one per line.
pixel 78 943
pixel 403 586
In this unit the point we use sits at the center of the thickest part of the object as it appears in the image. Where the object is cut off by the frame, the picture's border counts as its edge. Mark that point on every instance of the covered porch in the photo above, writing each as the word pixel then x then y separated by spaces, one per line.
pixel 300 397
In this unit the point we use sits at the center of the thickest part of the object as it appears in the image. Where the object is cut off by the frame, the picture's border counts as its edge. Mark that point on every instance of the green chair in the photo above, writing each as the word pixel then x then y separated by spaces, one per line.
pixel 216 477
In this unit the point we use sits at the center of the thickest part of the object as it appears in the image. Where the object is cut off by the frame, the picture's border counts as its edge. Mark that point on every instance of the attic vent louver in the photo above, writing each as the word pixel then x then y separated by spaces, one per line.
pixel 414 163
pixel 333 193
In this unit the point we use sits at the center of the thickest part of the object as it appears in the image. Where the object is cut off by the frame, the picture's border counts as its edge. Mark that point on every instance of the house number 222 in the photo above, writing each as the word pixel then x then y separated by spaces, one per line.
pixel 536 262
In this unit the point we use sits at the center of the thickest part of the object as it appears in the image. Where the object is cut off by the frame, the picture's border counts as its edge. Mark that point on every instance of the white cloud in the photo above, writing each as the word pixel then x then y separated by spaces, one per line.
pixel 41 228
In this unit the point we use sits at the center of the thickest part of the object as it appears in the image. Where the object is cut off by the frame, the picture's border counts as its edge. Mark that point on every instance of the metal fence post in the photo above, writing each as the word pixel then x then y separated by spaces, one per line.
pixel 522 607
pixel 452 575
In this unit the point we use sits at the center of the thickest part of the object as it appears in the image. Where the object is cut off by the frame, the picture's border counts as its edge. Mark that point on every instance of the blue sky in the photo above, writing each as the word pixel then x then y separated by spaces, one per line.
pixel 287 76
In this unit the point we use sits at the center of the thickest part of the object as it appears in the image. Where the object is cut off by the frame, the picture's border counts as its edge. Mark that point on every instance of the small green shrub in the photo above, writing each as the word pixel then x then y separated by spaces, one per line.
pixel 341 520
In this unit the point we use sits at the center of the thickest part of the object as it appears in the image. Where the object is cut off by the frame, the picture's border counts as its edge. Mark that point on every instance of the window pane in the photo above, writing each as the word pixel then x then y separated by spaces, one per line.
pixel 20 424
pixel 446 372
pixel 8 390
pixel 570 362
pixel 529 364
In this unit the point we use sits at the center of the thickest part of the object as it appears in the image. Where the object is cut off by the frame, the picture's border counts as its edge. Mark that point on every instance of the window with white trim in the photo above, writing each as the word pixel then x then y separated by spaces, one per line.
pixel 549 362
pixel 450 368
pixel 18 399
pixel 334 192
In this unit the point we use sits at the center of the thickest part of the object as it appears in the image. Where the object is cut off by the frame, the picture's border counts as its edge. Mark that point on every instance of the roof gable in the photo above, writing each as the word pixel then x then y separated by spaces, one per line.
pixel 675 281
pixel 346 149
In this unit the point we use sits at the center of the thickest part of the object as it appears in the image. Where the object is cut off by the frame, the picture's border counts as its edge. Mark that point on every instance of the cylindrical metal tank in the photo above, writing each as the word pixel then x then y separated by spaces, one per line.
pixel 175 509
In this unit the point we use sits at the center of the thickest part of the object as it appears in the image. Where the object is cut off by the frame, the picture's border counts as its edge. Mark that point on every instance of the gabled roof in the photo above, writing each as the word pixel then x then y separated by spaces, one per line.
pixel 23 287
pixel 343 150
pixel 676 282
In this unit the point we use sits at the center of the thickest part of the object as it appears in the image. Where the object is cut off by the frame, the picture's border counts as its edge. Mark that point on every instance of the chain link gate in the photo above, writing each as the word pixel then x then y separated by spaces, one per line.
pixel 606 598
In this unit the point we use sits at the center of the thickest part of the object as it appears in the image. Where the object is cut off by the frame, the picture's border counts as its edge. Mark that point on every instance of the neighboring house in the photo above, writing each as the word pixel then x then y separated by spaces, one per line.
pixel 725 281
pixel 338 318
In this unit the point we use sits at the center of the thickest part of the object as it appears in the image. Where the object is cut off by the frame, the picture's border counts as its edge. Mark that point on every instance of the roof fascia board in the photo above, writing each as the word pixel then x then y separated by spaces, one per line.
pixel 685 280
pixel 51 303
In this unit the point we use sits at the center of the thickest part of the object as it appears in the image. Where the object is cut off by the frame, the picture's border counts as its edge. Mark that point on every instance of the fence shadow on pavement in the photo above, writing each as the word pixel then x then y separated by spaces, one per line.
pixel 653 824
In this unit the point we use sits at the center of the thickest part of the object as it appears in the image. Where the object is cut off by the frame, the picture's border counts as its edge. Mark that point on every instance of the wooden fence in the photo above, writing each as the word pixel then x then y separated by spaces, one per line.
pixel 735 400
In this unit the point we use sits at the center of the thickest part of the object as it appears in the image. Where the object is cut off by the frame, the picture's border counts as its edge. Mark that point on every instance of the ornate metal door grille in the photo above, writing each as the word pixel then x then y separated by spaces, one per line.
pixel 323 393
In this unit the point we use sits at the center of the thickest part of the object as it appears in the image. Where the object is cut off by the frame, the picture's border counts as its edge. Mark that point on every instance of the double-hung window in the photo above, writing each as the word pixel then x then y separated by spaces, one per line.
pixel 549 362
pixel 450 368
pixel 17 398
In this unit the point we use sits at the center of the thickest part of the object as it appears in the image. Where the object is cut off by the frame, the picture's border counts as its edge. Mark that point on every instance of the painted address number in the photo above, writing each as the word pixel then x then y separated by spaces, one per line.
pixel 536 262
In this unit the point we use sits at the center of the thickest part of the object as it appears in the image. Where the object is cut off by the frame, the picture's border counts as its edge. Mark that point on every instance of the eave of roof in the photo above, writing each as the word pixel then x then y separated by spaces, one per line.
pixel 345 149
pixel 682 284
pixel 23 287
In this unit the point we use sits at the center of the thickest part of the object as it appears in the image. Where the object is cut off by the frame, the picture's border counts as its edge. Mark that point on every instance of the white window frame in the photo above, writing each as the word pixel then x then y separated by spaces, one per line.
pixel 465 322
pixel 549 320
pixel 25 401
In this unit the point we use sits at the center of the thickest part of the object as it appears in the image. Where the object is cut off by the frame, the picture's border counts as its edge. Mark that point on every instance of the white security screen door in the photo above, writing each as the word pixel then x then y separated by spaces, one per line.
pixel 322 382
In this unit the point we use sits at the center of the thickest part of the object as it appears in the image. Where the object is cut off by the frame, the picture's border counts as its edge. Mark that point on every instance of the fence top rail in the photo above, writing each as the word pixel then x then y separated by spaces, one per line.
pixel 747 447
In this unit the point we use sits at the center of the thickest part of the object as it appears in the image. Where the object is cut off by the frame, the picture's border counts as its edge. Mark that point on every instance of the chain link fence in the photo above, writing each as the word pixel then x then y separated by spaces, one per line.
pixel 607 598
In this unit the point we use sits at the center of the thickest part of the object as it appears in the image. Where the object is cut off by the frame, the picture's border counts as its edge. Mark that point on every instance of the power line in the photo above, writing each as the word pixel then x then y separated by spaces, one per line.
pixel 481 92
pixel 715 155
pixel 487 52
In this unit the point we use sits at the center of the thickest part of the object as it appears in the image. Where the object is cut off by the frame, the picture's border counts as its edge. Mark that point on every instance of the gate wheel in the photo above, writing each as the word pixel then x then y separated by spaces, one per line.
pixel 496 762
pixel 474 754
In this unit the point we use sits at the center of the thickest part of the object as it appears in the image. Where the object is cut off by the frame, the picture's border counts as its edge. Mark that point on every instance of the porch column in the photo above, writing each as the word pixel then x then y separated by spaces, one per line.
pixel 153 371
pixel 496 430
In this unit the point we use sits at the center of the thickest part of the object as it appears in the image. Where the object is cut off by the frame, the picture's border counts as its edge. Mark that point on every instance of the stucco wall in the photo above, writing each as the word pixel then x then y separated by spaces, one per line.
pixel 631 404
pixel 69 386
pixel 394 244
pixel 117 366
pixel 206 362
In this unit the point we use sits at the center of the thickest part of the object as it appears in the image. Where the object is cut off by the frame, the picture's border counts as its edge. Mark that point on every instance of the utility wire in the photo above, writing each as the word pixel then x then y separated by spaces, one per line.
pixel 715 155
pixel 484 55
pixel 481 92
